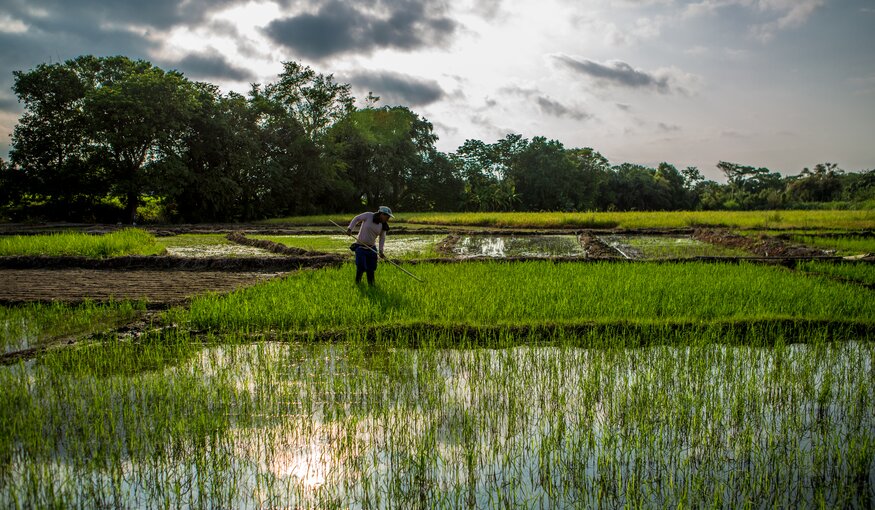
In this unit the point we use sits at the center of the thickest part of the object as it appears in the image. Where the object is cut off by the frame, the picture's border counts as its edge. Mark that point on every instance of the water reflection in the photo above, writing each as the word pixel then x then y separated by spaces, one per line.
pixel 518 246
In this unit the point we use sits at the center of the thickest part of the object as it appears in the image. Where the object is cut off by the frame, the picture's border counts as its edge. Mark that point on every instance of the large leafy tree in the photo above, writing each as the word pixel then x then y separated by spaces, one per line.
pixel 92 125
pixel 389 157
pixel 545 177
pixel 315 100
pixel 50 144
pixel 137 114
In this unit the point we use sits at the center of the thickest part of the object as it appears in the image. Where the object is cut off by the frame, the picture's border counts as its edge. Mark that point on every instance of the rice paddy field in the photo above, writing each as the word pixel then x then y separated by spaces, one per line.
pixel 518 373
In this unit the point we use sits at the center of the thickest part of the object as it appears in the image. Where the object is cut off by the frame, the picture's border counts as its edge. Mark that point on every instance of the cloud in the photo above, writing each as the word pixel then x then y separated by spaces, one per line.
pixel 556 109
pixel 396 88
pixel 624 107
pixel 776 15
pixel 160 14
pixel 210 65
pixel 547 105
pixel 339 27
pixel 617 73
pixel 668 128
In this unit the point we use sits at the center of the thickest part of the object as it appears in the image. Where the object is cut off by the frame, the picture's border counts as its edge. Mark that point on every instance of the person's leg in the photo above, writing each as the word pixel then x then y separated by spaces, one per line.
pixel 372 266
pixel 360 264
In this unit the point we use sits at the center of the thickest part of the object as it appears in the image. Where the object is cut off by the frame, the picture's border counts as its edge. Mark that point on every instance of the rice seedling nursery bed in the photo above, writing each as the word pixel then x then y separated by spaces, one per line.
pixel 538 384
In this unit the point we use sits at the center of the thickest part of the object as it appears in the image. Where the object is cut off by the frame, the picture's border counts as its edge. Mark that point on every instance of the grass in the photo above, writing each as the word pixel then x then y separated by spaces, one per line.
pixel 130 241
pixel 532 293
pixel 675 219
pixel 34 324
pixel 863 273
pixel 794 219
pixel 849 245
pixel 359 424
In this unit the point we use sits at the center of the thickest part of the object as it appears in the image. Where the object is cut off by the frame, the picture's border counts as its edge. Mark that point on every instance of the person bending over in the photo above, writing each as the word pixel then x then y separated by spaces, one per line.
pixel 372 226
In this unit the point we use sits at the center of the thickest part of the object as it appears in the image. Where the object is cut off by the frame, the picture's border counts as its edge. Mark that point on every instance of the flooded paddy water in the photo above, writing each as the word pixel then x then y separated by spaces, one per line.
pixel 518 246
pixel 363 425
pixel 663 247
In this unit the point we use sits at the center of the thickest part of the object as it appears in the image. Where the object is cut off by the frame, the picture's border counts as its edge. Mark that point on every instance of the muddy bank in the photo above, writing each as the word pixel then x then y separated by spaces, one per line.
pixel 152 286
pixel 172 263
pixel 281 249
pixel 595 248
pixel 762 245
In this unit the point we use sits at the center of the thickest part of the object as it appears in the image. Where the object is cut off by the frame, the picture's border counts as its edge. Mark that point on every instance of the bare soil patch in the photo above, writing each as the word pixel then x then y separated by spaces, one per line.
pixel 595 248
pixel 154 286
pixel 762 245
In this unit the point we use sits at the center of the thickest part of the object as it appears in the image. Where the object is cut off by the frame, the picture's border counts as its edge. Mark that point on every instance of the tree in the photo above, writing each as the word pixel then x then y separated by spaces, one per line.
pixel 315 100
pixel 823 184
pixel 544 177
pixel 50 143
pixel 591 172
pixel 485 169
pixel 290 175
pixel 388 155
pixel 207 177
pixel 136 115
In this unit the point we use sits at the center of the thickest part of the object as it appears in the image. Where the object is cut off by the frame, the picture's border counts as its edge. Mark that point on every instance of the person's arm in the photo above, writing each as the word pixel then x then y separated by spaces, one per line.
pixel 382 242
pixel 355 221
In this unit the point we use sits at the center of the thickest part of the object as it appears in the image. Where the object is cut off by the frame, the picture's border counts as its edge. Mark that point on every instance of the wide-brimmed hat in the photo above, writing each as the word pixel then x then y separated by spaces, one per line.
pixel 385 210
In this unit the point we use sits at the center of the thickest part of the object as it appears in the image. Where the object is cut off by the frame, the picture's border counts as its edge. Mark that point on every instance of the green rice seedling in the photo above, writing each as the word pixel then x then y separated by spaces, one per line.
pixel 863 219
pixel 130 241
pixel 34 324
pixel 533 293
pixel 360 423
pixel 863 273
pixel 848 245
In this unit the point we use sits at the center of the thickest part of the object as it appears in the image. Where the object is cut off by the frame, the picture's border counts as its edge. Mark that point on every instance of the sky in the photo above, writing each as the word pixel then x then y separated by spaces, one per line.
pixel 783 84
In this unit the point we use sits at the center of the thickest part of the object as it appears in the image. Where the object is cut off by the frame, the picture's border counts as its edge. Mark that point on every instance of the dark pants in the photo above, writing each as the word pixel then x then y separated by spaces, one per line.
pixel 365 262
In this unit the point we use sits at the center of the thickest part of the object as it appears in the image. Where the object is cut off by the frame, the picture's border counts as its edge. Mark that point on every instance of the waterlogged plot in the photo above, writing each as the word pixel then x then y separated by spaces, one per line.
pixel 35 324
pixel 518 246
pixel 401 246
pixel 667 247
pixel 364 425
pixel 209 245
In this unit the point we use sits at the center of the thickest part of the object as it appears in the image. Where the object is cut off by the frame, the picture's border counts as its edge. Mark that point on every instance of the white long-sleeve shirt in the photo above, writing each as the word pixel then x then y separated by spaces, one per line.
pixel 369 230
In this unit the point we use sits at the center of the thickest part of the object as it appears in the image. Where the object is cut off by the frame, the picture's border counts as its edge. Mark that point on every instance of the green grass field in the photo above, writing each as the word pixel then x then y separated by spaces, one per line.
pixel 532 293
pixel 32 325
pixel 129 241
pixel 493 384
pixel 845 220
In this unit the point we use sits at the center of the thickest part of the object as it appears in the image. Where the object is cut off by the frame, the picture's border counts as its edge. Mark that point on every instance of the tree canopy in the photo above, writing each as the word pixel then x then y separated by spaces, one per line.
pixel 101 136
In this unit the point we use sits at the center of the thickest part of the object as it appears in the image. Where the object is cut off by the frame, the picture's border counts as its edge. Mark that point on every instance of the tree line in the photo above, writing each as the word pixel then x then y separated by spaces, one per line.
pixel 103 138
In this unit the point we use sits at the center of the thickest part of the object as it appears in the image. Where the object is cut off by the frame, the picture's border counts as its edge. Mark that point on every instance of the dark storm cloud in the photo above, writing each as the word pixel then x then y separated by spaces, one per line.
pixel 338 27
pixel 547 105
pixel 395 88
pixel 616 73
pixel 557 109
pixel 161 14
pixel 210 65
pixel 668 128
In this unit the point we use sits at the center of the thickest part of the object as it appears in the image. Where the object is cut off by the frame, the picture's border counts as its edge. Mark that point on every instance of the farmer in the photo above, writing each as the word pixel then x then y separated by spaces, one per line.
pixel 373 224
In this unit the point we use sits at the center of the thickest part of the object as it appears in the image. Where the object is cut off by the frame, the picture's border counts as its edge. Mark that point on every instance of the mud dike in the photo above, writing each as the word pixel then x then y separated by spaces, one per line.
pixel 161 281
